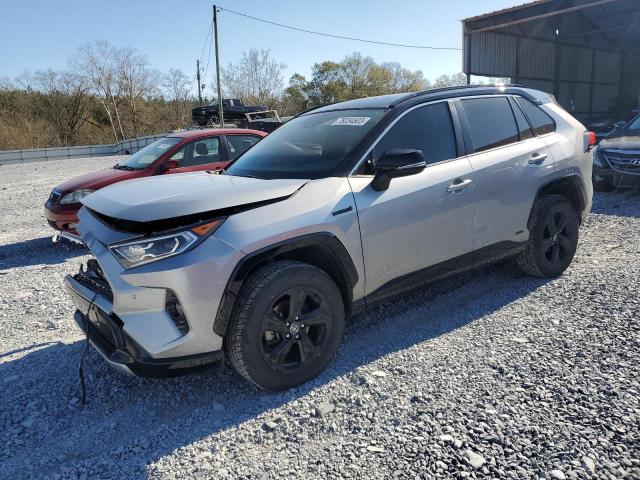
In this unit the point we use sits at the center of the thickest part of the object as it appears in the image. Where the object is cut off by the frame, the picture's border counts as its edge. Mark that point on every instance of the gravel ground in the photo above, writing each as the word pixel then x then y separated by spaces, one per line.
pixel 487 375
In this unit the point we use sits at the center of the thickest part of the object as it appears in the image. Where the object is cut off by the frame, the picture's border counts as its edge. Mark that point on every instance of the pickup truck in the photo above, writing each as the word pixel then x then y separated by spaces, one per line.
pixel 234 112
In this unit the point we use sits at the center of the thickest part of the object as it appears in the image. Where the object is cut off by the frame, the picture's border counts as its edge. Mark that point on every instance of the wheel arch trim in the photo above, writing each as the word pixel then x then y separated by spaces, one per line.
pixel 557 185
pixel 322 249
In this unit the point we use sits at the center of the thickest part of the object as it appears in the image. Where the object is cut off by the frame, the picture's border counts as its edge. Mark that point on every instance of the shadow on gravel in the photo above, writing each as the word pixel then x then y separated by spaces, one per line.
pixel 137 421
pixel 38 251
pixel 621 203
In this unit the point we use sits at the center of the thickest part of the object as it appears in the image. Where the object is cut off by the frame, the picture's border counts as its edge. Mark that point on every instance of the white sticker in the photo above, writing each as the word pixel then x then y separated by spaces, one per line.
pixel 164 146
pixel 351 121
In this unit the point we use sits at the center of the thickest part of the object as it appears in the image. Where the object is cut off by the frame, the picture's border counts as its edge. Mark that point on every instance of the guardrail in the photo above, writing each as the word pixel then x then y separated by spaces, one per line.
pixel 44 154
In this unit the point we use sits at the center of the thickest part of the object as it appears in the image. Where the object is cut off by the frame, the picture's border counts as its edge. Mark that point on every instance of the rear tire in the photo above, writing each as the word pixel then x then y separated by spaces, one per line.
pixel 553 237
pixel 287 325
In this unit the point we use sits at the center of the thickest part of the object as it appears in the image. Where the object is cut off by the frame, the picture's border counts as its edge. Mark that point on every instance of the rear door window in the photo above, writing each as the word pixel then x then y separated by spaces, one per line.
pixel 205 150
pixel 427 128
pixel 238 144
pixel 491 122
pixel 540 121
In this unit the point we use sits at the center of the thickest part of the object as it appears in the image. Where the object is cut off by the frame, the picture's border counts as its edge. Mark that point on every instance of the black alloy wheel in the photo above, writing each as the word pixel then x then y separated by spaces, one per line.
pixel 294 329
pixel 553 237
pixel 287 325
pixel 558 238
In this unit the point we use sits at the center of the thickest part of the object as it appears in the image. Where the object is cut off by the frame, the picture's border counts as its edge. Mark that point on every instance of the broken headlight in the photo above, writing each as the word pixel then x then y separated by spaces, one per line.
pixel 140 252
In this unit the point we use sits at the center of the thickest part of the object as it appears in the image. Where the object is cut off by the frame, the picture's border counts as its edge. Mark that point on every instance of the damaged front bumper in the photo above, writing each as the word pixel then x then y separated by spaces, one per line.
pixel 105 332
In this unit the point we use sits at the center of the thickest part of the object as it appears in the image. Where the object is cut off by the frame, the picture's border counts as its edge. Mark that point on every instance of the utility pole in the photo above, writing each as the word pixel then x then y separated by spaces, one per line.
pixel 199 84
pixel 215 31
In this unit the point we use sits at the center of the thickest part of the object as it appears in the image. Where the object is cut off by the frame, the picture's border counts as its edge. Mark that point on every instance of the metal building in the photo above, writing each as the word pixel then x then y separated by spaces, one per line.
pixel 585 52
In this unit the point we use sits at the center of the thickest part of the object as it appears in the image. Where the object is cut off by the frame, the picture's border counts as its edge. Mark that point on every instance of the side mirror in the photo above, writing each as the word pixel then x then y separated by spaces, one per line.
pixel 619 125
pixel 399 162
pixel 171 164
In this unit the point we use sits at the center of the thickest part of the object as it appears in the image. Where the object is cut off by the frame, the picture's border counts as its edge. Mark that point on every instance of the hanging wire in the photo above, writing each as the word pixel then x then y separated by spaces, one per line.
pixel 426 47
pixel 206 68
pixel 204 45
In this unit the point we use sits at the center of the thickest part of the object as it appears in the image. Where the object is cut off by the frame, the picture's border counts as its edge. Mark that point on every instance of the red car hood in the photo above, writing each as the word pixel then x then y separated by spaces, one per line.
pixel 99 179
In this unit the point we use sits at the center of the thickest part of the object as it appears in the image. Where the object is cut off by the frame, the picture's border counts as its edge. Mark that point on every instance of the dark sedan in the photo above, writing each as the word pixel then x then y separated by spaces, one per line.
pixel 616 160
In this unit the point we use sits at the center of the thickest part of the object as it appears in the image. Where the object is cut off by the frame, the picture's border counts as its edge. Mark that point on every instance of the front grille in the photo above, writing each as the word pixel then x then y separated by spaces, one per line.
pixel 54 197
pixel 94 279
pixel 624 161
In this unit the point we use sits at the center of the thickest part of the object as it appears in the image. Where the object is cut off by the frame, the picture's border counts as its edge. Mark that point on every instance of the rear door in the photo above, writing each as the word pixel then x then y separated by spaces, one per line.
pixel 509 163
pixel 238 144
pixel 420 220
pixel 201 154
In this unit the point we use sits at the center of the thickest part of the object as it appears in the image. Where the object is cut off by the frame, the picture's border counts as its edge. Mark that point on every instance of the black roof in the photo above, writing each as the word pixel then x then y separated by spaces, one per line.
pixel 382 101
pixel 388 101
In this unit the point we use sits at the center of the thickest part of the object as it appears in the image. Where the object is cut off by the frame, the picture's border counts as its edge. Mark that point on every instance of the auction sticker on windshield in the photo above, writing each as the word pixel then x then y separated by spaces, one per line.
pixel 351 121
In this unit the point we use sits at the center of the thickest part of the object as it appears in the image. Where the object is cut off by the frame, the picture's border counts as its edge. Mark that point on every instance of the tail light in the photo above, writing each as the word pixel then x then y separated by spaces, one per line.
pixel 589 141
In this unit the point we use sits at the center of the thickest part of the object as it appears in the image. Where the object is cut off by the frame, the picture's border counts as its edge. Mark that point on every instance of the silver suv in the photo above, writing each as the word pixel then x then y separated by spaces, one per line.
pixel 340 209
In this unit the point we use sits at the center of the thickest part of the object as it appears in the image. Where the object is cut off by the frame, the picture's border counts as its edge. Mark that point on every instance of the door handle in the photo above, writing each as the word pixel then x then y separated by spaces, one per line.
pixel 458 185
pixel 537 158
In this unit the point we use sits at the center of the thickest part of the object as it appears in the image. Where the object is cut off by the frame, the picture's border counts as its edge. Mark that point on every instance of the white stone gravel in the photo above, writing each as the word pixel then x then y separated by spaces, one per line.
pixel 489 375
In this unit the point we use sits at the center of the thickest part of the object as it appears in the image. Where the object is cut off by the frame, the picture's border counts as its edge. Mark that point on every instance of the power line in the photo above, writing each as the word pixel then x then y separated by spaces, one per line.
pixel 204 45
pixel 206 69
pixel 426 47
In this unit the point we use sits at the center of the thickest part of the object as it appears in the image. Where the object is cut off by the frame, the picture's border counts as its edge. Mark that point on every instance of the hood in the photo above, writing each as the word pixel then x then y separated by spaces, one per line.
pixel 622 140
pixel 178 195
pixel 96 180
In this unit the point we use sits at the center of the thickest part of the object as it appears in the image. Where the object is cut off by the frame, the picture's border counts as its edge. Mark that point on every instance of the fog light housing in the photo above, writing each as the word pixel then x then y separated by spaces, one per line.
pixel 176 312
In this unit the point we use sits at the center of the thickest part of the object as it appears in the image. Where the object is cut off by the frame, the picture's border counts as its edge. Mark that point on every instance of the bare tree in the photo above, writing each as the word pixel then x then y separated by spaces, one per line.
pixel 177 89
pixel 96 63
pixel 6 84
pixel 60 99
pixel 256 78
pixel 135 80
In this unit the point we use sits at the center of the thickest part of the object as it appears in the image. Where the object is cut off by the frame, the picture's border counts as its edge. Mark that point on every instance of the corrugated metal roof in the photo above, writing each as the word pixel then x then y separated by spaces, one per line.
pixel 505 10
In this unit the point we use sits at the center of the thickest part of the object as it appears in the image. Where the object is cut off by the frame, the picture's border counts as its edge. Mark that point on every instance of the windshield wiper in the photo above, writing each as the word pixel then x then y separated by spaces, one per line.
pixel 122 167
pixel 250 176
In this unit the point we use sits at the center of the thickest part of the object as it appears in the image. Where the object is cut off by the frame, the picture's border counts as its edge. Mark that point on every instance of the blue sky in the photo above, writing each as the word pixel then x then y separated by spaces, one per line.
pixel 40 34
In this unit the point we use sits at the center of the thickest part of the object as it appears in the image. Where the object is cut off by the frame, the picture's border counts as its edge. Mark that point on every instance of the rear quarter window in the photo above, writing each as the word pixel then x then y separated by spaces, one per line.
pixel 523 125
pixel 491 122
pixel 540 121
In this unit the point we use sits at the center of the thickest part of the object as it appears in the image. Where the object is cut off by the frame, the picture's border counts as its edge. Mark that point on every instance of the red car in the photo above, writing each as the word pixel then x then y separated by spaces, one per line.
pixel 181 152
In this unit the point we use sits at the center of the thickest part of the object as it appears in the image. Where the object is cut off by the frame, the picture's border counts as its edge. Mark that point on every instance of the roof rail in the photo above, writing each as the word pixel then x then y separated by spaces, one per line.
pixel 432 91
pixel 483 89
pixel 428 91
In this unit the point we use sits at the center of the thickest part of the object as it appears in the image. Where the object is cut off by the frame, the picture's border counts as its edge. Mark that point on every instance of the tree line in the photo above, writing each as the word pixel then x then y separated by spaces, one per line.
pixel 109 93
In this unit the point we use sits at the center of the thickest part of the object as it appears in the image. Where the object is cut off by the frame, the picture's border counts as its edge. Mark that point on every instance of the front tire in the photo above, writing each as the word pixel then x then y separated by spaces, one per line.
pixel 213 120
pixel 553 237
pixel 287 325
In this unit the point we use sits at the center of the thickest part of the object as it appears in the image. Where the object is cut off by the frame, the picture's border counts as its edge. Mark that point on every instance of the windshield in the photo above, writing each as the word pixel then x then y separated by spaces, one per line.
pixel 310 146
pixel 634 124
pixel 149 154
